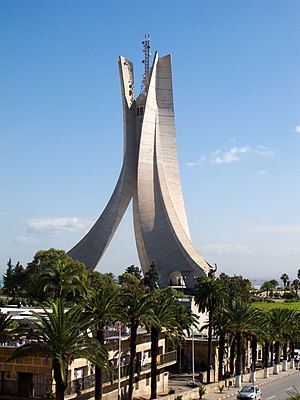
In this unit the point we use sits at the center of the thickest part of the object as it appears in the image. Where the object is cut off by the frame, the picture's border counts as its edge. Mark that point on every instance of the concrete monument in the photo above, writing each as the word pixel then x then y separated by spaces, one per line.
pixel 149 176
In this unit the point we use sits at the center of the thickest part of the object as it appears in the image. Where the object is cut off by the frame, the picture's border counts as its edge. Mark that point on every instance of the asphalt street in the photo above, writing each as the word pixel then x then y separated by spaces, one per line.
pixel 276 387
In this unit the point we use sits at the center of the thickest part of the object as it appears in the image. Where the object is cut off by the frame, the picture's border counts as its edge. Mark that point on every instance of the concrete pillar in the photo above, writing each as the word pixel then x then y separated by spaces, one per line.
pixel 238 381
pixel 276 369
pixel 266 373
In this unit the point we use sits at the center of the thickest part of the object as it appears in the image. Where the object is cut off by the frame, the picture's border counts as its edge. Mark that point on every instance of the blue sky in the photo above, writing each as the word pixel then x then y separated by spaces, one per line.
pixel 236 87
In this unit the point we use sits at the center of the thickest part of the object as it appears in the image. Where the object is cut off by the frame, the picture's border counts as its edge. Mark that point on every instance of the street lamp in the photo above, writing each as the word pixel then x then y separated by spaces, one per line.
pixel 193 359
pixel 119 361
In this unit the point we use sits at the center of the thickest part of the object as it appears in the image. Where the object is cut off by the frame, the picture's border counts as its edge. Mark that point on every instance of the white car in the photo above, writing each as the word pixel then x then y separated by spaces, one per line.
pixel 249 392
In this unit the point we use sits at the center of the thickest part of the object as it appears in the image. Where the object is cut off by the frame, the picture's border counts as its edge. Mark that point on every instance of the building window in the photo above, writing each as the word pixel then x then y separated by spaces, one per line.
pixel 139 111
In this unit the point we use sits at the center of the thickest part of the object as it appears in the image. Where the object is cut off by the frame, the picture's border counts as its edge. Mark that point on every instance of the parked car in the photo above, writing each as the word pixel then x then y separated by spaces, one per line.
pixel 249 392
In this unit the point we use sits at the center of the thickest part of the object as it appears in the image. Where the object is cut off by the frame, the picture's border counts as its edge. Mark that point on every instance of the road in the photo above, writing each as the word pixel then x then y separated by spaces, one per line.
pixel 280 389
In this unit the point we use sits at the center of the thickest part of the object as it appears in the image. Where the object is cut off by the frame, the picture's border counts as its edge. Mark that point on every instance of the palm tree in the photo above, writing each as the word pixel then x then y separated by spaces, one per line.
pixel 284 277
pixel 241 321
pixel 267 286
pixel 62 336
pixel 292 319
pixel 103 307
pixel 6 328
pixel 164 308
pixel 278 319
pixel 7 332
pixel 220 328
pixel 170 316
pixel 294 335
pixel 209 295
pixel 296 285
pixel 265 338
pixel 62 278
pixel 136 309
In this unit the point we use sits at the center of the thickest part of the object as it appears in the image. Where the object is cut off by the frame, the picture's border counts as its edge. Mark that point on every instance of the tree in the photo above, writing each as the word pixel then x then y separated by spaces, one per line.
pixel 169 316
pixel 267 286
pixel 242 319
pixel 63 279
pixel 210 296
pixel 164 316
pixel 278 320
pixel 129 280
pixel 220 328
pixel 264 332
pixel 136 309
pixel 134 270
pixel 296 285
pixel 62 336
pixel 96 280
pixel 46 262
pixel 13 280
pixel 7 328
pixel 274 282
pixel 285 278
pixel 151 277
pixel 236 286
pixel 103 307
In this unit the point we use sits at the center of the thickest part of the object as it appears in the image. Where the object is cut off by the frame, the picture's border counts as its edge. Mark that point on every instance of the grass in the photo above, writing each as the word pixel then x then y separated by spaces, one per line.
pixel 294 305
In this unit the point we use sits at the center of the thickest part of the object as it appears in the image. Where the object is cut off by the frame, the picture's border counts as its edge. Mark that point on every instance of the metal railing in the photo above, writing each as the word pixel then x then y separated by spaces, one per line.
pixel 43 391
pixel 25 389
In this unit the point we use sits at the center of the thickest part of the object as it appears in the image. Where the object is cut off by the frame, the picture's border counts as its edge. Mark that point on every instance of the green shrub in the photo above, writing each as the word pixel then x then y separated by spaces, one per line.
pixel 202 391
pixel 221 388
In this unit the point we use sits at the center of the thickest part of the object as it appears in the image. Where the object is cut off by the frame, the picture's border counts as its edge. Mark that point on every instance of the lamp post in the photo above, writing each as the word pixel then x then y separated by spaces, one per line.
pixel 193 359
pixel 119 362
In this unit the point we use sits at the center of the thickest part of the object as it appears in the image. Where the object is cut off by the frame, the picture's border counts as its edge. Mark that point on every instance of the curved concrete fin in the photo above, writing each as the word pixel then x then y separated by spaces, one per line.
pixel 162 223
pixel 93 245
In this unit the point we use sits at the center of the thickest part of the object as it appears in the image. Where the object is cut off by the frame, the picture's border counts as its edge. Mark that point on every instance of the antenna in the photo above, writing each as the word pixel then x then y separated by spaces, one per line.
pixel 146 62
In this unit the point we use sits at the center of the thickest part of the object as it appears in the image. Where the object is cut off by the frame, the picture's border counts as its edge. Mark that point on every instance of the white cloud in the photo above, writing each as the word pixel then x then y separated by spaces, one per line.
pixel 297 129
pixel 264 151
pixel 196 163
pixel 275 228
pixel 234 154
pixel 293 252
pixel 261 172
pixel 56 225
pixel 22 239
pixel 223 249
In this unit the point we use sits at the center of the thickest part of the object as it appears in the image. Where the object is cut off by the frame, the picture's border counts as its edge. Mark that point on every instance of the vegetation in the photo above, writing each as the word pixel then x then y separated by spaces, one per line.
pixel 201 391
pixel 84 301
pixel 62 336
pixel 7 328
pixel 210 296
pixel 265 306
pixel 285 279
pixel 136 309
pixel 170 316
pixel 103 308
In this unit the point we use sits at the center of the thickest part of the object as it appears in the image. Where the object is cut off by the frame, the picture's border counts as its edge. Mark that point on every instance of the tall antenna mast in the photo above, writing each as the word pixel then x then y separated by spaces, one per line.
pixel 146 62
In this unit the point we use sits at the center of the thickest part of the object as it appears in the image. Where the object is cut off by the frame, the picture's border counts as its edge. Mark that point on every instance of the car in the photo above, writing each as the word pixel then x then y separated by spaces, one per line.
pixel 249 392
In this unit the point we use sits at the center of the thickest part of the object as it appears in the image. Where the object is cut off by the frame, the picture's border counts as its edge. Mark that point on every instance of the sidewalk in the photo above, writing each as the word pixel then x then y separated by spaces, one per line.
pixel 182 384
